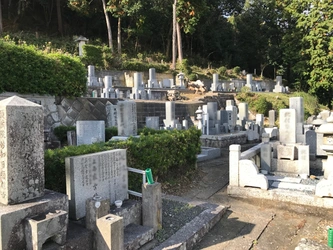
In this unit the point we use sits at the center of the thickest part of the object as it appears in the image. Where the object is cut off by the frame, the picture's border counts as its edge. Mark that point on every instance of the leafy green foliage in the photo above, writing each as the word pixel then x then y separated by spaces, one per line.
pixel 26 70
pixel 109 132
pixel 262 106
pixel 179 148
pixel 137 65
pixel 61 133
pixel 263 102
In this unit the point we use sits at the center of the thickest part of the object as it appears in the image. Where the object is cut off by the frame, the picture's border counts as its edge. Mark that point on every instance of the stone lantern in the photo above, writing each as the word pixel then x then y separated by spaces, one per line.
pixel 325 186
pixel 199 117
pixel 81 40
pixel 181 78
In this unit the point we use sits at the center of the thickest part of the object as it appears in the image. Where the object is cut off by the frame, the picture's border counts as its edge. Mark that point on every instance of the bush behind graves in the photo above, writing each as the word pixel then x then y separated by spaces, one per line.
pixel 28 71
pixel 61 133
pixel 167 153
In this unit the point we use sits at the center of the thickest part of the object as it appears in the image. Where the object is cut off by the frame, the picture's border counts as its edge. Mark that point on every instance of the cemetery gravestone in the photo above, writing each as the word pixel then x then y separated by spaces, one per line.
pixel 127 118
pixel 21 150
pixel 104 173
pixel 287 125
pixel 88 132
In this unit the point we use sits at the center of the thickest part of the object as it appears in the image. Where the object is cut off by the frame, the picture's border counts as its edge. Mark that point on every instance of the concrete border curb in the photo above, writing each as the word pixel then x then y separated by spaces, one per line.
pixel 192 232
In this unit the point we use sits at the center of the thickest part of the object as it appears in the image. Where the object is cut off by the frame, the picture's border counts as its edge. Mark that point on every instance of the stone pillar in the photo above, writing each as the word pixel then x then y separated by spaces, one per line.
pixel 152 205
pixel 304 160
pixel 234 157
pixel 297 104
pixel 21 151
pixel 110 233
pixel 96 208
pixel 287 130
pixel 266 156
pixel 271 117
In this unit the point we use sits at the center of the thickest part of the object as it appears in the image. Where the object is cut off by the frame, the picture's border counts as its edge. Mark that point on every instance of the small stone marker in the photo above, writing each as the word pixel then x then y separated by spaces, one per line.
pixel 21 150
pixel 104 173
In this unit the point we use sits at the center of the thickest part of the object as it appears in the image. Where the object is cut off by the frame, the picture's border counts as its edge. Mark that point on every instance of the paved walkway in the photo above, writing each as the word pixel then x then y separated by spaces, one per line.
pixel 257 224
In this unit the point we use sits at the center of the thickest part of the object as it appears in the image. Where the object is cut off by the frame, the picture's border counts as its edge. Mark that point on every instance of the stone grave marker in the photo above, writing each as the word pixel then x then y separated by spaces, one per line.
pixel 21 150
pixel 271 118
pixel 88 132
pixel 287 126
pixel 311 140
pixel 127 118
pixel 153 122
pixel 111 115
pixel 297 104
pixel 104 173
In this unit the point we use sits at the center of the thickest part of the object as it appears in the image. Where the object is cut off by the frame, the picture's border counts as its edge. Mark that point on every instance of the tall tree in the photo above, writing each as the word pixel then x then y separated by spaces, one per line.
pixel 83 6
pixel 314 19
pixel 120 9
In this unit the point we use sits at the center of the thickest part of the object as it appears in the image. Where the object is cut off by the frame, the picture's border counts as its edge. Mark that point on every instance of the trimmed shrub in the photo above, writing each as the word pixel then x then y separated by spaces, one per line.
pixel 166 153
pixel 109 132
pixel 61 133
pixel 28 71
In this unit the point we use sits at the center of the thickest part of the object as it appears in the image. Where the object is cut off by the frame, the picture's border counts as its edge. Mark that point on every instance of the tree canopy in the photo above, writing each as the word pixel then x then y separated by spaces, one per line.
pixel 293 38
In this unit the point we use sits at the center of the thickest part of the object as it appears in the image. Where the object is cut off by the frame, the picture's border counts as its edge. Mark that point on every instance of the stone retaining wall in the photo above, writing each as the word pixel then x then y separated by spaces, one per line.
pixel 222 141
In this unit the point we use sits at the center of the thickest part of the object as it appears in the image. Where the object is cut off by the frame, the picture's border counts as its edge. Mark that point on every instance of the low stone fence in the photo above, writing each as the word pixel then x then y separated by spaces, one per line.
pixel 243 167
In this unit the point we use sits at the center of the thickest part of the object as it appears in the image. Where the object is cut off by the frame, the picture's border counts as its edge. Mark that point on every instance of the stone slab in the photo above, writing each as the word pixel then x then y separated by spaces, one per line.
pixel 127 118
pixel 12 217
pixel 293 186
pixel 208 153
pixel 136 236
pixel 282 195
pixel 104 173
pixel 88 132
pixel 130 211
pixel 287 131
pixel 286 152
pixel 283 179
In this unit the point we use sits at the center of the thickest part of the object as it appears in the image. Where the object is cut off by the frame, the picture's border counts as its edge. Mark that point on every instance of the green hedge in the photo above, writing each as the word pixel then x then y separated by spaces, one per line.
pixel 26 70
pixel 167 153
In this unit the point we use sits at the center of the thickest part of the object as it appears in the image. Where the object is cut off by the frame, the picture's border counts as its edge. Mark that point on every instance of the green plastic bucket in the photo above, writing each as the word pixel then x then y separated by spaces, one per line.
pixel 149 176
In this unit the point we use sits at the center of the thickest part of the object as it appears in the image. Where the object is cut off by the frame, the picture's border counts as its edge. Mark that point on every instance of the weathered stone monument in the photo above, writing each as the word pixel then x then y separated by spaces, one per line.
pixel 104 173
pixel 127 118
pixel 26 207
pixel 88 132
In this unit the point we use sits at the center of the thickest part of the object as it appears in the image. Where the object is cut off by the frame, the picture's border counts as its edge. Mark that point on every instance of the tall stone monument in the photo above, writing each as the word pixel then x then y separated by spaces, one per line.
pixel 22 153
pixel 30 215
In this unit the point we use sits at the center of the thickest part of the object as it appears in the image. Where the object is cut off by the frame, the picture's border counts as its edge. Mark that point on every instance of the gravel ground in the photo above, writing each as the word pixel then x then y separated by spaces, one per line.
pixel 175 216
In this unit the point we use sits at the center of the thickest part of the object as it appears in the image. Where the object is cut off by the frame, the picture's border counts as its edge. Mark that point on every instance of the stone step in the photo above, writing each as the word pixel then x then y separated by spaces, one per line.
pixel 283 179
pixel 294 186
pixel 136 236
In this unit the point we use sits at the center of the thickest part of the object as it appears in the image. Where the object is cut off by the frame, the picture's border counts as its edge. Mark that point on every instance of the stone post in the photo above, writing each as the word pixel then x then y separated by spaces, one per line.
pixel 96 207
pixel 234 157
pixel 110 233
pixel 152 205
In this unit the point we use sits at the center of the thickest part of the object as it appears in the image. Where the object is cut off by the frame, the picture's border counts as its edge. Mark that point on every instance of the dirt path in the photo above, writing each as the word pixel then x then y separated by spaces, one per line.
pixel 253 223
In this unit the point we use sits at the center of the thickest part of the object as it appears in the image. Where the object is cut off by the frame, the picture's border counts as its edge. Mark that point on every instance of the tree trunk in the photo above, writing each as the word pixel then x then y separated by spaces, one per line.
pixel 119 36
pixel 180 47
pixel 59 17
pixel 1 26
pixel 174 36
pixel 108 25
